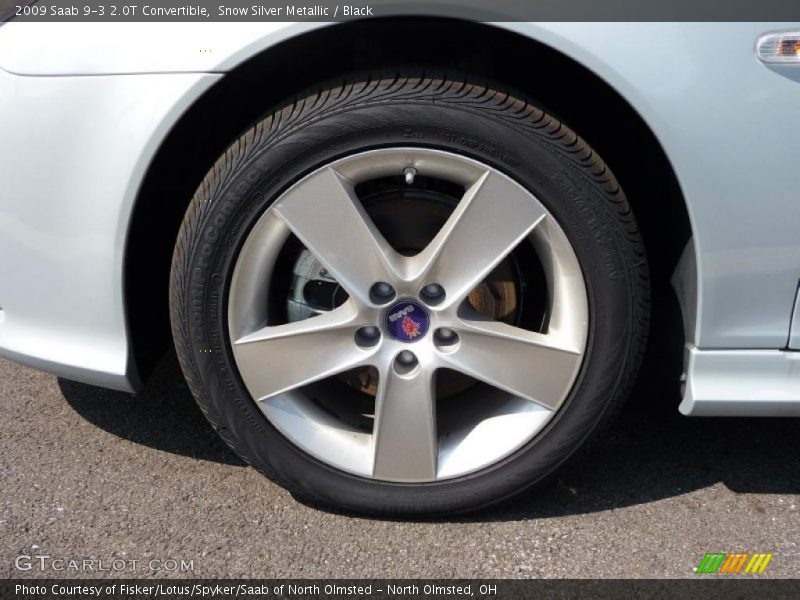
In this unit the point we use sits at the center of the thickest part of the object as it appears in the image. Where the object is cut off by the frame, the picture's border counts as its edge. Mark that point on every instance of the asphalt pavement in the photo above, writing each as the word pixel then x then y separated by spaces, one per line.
pixel 94 475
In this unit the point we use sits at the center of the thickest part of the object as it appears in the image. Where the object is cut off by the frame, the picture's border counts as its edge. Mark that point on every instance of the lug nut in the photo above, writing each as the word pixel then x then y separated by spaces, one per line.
pixel 406 359
pixel 432 293
pixel 381 292
pixel 383 289
pixel 368 336
pixel 445 336
pixel 370 331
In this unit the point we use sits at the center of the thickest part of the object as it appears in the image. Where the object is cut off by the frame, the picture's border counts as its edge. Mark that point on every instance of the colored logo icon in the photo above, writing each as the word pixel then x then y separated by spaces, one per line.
pixel 734 562
pixel 407 321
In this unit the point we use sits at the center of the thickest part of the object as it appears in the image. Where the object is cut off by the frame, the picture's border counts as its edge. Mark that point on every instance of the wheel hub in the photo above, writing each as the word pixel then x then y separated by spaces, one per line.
pixel 406 321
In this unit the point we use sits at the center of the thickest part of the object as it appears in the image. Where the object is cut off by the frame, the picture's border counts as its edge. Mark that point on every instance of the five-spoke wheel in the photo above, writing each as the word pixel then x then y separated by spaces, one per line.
pixel 409 296
pixel 408 316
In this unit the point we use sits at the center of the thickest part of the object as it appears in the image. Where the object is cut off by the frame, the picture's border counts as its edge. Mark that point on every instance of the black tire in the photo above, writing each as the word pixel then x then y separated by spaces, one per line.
pixel 473 120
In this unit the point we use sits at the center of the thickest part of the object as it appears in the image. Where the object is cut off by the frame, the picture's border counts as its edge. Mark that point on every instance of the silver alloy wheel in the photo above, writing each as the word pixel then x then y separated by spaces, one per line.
pixel 529 374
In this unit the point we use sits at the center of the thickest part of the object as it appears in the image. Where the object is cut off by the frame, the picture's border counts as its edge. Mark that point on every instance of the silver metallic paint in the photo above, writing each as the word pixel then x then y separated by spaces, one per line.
pixel 73 151
pixel 742 383
pixel 794 331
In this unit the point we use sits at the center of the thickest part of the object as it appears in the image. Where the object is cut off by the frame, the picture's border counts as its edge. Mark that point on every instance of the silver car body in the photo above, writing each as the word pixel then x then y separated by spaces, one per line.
pixel 84 109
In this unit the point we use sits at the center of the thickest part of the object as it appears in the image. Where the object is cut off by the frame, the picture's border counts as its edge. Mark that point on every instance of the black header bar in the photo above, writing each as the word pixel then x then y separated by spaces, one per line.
pixel 109 11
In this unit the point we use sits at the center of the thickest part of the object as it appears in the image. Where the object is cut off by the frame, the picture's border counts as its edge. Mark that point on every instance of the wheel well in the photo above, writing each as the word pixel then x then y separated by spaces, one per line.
pixel 555 82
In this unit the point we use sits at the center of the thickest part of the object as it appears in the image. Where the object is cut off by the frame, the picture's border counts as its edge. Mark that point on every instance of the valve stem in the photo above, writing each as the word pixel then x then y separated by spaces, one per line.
pixel 410 173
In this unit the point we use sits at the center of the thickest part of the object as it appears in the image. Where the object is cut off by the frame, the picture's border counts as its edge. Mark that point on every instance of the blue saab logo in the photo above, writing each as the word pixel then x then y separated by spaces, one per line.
pixel 407 321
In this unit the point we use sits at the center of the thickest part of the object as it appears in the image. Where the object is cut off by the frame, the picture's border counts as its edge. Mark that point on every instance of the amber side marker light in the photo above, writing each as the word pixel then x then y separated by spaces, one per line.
pixel 779 47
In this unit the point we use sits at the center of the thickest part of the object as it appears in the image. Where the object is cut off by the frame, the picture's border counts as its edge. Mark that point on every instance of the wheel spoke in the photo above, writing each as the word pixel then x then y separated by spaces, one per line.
pixel 405 437
pixel 494 215
pixel 276 359
pixel 538 367
pixel 325 214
